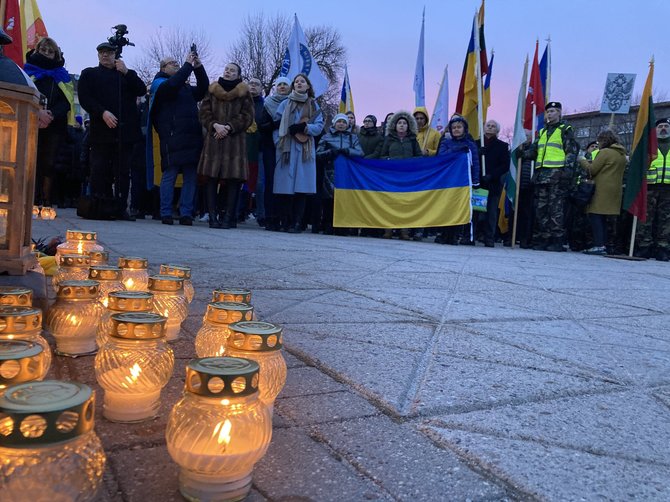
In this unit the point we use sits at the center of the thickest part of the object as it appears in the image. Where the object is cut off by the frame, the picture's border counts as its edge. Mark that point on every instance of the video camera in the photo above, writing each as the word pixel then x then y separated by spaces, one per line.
pixel 118 40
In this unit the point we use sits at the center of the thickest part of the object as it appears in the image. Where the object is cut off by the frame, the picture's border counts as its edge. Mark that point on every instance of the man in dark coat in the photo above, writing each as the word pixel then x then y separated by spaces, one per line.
pixel 496 155
pixel 174 114
pixel 108 92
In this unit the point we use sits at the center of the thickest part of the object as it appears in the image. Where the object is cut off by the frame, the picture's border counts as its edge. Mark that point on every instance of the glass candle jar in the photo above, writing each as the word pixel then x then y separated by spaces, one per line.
pixel 78 242
pixel 48 213
pixel 119 302
pixel 74 318
pixel 36 212
pixel 238 295
pixel 133 365
pixel 20 361
pixel 24 323
pixel 182 272
pixel 48 447
pixel 109 278
pixel 169 301
pixel 219 429
pixel 210 341
pixel 17 296
pixel 98 257
pixel 134 272
pixel 71 267
pixel 260 342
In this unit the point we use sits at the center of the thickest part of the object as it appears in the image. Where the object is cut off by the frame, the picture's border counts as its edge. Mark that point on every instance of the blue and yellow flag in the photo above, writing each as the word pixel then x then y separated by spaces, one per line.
pixel 409 193
pixel 346 98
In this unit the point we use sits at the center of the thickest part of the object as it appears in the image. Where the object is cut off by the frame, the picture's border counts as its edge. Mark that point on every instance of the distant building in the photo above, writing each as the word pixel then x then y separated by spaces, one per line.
pixel 587 125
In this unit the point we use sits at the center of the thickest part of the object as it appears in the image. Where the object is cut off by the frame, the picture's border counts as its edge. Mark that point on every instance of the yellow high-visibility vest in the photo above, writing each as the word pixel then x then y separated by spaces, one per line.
pixel 659 170
pixel 550 153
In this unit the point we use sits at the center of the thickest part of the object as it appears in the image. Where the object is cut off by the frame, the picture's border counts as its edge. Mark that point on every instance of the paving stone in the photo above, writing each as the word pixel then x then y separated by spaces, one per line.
pixel 306 381
pixel 391 452
pixel 333 406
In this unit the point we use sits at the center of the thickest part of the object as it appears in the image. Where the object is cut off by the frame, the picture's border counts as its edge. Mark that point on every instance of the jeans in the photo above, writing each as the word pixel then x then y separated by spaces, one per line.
pixel 187 198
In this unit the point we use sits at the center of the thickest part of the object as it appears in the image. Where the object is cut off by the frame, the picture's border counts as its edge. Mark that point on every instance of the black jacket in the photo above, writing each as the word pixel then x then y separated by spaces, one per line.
pixel 99 91
pixel 174 114
pixel 57 103
pixel 496 153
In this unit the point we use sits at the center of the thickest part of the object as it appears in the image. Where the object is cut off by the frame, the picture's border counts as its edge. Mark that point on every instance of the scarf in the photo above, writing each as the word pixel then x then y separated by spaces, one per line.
pixel 307 108
pixel 272 103
pixel 57 74
pixel 229 85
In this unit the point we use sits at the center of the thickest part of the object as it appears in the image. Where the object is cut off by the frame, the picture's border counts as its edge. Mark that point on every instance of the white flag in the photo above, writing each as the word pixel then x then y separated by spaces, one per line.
pixel 441 114
pixel 298 59
pixel 419 83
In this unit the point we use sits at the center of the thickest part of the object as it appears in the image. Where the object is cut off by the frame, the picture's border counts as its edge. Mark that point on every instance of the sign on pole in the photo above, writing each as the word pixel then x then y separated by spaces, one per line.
pixel 618 92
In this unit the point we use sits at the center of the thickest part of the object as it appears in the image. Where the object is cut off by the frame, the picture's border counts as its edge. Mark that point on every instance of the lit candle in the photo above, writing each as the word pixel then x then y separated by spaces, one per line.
pixel 74 318
pixel 169 301
pixel 225 294
pixel 98 257
pixel 78 242
pixel 109 278
pixel 20 361
pixel 134 272
pixel 48 445
pixel 219 429
pixel 71 267
pixel 133 365
pixel 260 342
pixel 210 341
pixel 24 323
pixel 183 272
pixel 122 301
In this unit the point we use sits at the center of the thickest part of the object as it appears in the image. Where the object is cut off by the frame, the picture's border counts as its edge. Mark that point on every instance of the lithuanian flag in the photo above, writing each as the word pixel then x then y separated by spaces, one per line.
pixel 644 151
pixel 407 193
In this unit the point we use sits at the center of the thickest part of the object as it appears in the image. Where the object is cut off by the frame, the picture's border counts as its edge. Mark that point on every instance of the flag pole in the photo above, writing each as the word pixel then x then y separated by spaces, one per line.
pixel 533 131
pixel 547 91
pixel 632 237
pixel 516 201
pixel 478 74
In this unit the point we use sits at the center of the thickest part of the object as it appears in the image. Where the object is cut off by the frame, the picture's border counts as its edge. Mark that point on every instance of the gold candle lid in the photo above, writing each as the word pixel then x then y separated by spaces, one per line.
pixel 224 294
pixel 78 290
pixel 16 295
pixel 181 271
pixel 80 235
pixel 133 262
pixel 227 312
pixel 222 377
pixel 75 260
pixel 42 413
pixel 15 361
pixel 17 320
pixel 167 283
pixel 104 273
pixel 257 336
pixel 138 326
pixel 131 301
pixel 99 256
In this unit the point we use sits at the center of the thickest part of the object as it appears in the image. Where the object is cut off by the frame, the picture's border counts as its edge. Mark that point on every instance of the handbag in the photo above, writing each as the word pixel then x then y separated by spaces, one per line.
pixel 583 192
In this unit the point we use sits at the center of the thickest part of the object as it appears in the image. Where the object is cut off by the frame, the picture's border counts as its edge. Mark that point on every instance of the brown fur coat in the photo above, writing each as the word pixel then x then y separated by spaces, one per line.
pixel 226 158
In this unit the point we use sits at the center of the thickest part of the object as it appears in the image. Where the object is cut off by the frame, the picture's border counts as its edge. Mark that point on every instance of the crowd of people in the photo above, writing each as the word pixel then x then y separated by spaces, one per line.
pixel 233 152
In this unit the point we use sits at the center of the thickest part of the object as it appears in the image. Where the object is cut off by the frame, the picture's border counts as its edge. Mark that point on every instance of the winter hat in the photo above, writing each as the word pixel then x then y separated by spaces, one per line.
pixel 282 80
pixel 340 116
pixel 371 117
pixel 662 121
pixel 553 104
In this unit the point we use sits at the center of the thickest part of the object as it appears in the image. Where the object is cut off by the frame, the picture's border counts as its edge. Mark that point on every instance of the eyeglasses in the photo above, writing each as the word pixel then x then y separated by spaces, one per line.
pixel 171 63
pixel 368 121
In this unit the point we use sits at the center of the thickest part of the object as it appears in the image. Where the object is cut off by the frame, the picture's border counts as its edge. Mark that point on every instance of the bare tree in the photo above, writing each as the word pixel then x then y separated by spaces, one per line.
pixel 658 95
pixel 172 42
pixel 260 47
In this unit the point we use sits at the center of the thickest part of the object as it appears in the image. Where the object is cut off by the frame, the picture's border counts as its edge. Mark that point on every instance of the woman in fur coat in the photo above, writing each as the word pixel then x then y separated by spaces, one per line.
pixel 226 113
pixel 295 171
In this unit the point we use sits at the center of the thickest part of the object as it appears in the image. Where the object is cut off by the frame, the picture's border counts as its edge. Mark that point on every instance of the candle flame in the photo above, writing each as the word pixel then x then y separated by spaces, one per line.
pixel 223 431
pixel 73 320
pixel 105 301
pixel 134 374
pixel 129 283
pixel 166 313
pixel 80 248
pixel 220 352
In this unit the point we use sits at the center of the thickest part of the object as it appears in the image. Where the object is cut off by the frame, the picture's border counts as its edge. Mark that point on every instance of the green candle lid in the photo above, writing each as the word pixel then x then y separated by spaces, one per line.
pixel 222 377
pixel 16 295
pixel 227 312
pixel 257 336
pixel 224 294
pixel 180 271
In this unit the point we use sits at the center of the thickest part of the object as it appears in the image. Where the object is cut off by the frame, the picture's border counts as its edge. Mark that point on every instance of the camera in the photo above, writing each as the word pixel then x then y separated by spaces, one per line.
pixel 194 50
pixel 118 40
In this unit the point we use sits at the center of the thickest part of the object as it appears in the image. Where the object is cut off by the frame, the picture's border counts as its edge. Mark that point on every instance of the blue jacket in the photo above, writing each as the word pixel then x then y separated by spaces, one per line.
pixel 463 144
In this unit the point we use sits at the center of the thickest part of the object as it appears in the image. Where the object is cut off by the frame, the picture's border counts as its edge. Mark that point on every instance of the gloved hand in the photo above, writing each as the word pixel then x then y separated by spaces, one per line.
pixel 343 151
pixel 326 155
pixel 297 128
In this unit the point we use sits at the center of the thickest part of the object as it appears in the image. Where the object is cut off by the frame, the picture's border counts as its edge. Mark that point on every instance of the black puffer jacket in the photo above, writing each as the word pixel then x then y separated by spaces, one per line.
pixel 174 114
pixel 371 140
pixel 99 91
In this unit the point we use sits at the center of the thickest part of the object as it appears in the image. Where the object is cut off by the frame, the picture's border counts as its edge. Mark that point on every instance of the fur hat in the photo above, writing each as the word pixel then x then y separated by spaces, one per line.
pixel 411 121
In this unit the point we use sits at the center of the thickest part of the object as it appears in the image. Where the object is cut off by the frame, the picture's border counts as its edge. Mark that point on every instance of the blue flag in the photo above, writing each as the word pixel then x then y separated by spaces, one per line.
pixel 419 83
pixel 298 59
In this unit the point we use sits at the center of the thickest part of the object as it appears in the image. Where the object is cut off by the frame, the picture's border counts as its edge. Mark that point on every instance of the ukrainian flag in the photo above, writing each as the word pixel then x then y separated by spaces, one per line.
pixel 409 193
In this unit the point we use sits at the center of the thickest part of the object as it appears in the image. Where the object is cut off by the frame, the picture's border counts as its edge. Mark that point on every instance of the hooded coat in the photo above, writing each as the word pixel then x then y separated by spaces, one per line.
pixel 226 158
pixel 371 141
pixel 332 144
pixel 395 147
pixel 464 143
pixel 428 138
pixel 607 173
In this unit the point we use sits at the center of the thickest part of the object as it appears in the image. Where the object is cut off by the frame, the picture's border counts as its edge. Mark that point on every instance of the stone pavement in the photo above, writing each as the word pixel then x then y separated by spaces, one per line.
pixel 420 371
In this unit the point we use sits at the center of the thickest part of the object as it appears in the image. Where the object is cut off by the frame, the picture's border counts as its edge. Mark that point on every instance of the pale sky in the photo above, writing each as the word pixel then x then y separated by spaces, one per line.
pixel 589 39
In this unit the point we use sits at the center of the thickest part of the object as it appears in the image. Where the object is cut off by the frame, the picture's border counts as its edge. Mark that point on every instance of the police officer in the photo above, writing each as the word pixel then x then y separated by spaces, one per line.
pixel 653 236
pixel 555 153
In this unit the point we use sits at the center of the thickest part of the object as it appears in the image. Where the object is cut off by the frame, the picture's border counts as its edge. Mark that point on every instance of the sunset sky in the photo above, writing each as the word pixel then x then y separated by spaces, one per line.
pixel 589 39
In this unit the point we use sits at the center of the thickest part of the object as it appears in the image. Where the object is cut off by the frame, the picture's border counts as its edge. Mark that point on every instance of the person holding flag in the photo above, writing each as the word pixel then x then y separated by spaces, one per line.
pixel 555 153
